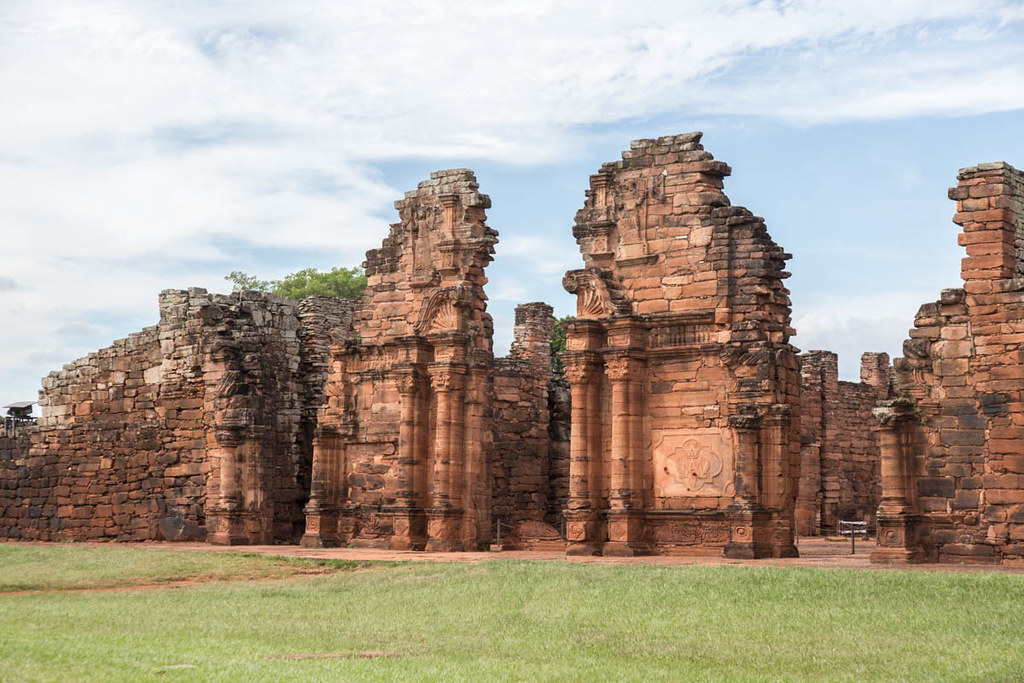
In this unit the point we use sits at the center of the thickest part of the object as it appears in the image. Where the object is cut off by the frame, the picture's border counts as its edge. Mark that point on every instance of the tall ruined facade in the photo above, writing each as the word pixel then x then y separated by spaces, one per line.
pixel 685 387
pixel 952 441
pixel 404 440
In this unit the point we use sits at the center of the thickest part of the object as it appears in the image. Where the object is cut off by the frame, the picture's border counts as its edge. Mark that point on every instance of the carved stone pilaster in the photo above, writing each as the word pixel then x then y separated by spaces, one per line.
pixel 580 372
pixel 322 510
pixel 899 525
pixel 445 514
pixel 777 480
pixel 750 524
pixel 747 427
pixel 625 521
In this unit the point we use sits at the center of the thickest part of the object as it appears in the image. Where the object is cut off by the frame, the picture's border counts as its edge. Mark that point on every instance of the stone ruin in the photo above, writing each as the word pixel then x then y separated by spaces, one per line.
pixel 685 421
pixel 685 389
pixel 200 423
pixel 840 477
pixel 405 439
pixel 952 439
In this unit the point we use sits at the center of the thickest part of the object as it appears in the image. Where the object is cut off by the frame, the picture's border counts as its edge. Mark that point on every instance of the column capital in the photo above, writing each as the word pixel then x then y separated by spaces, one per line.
pixel 621 368
pixel 409 380
pixel 891 414
pixel 447 376
pixel 748 419
pixel 579 368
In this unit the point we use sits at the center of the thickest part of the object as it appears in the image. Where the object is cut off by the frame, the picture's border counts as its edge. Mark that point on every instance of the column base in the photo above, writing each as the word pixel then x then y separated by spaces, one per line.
pixel 409 529
pixel 321 528
pixel 585 533
pixel 229 528
pixel 782 538
pixel 444 530
pixel 625 534
pixel 898 540
pixel 749 534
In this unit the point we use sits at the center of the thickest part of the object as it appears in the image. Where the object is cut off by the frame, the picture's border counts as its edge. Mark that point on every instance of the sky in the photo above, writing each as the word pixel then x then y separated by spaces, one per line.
pixel 153 145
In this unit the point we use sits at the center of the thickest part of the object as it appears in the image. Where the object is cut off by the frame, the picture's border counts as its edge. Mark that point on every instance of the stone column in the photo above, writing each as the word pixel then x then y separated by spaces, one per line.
pixel 443 516
pixel 583 528
pixel 747 425
pixel 322 508
pixel 779 482
pixel 440 381
pixel 898 525
pixel 229 513
pixel 625 517
pixel 748 533
pixel 409 523
pixel 477 452
pixel 579 374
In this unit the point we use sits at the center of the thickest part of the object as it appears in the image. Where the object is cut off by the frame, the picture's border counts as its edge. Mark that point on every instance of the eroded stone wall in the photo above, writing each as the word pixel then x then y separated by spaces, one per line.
pixel 185 430
pixel 684 385
pixel 952 441
pixel 839 457
pixel 529 471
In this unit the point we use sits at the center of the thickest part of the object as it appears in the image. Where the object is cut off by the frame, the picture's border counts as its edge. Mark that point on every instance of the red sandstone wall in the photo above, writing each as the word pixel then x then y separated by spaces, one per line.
pixel 122 448
pixel 413 371
pixel 530 468
pixel 685 386
pixel 839 465
pixel 961 423
pixel 114 457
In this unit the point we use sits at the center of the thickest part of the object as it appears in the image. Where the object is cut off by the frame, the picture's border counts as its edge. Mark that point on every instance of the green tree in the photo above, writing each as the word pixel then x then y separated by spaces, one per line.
pixel 558 343
pixel 344 283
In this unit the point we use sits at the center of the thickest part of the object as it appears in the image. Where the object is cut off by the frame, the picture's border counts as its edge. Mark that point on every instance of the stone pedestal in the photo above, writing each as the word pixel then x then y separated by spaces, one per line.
pixel 584 532
pixel 749 534
pixel 898 539
pixel 321 528
pixel 410 528
pixel 229 528
pixel 625 534
pixel 443 530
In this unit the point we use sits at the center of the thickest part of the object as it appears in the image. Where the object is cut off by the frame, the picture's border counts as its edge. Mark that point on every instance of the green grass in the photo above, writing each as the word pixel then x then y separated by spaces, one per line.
pixel 70 567
pixel 508 620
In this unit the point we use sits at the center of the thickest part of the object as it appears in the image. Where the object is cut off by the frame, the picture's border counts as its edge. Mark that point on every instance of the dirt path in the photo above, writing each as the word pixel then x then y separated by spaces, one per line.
pixel 814 552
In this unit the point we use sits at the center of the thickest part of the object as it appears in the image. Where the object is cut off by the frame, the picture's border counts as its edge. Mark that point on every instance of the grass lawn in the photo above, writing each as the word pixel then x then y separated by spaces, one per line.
pixel 503 620
pixel 70 567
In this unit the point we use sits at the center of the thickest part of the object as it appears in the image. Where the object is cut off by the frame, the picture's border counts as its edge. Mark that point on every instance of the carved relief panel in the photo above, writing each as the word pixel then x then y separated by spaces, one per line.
pixel 693 462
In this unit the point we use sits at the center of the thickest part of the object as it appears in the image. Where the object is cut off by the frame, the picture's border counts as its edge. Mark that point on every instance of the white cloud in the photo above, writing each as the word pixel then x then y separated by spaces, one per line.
pixel 541 254
pixel 146 145
pixel 850 324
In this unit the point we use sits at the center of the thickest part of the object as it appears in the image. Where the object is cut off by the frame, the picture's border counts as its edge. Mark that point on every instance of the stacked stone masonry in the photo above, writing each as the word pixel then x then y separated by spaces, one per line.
pixel 404 442
pixel 952 439
pixel 685 389
pixel 531 463
pixel 839 457
pixel 679 425
pixel 189 429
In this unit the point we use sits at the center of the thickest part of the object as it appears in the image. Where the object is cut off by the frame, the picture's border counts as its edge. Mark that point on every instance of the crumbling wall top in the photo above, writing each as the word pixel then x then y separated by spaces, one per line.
pixel 428 274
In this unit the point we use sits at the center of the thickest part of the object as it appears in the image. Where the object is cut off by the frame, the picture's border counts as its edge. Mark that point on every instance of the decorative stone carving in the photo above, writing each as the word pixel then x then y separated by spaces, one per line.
pixel 693 463
pixel 440 311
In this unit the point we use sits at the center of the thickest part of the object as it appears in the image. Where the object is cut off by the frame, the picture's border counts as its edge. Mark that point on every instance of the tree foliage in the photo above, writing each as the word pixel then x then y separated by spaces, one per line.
pixel 344 283
pixel 558 343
